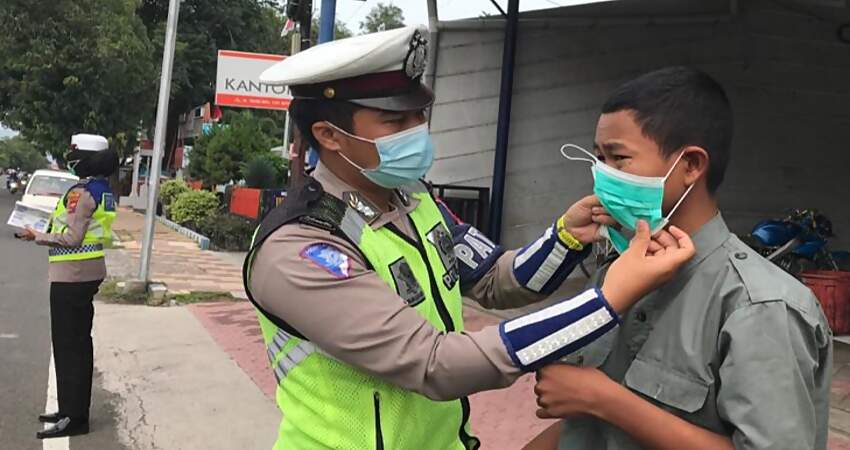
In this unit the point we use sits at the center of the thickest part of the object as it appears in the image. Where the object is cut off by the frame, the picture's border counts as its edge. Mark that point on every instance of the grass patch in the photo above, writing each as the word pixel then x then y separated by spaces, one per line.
pixel 200 297
pixel 112 293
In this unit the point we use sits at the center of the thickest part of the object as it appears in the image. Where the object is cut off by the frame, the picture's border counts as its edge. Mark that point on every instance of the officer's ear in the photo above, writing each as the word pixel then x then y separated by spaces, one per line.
pixel 327 137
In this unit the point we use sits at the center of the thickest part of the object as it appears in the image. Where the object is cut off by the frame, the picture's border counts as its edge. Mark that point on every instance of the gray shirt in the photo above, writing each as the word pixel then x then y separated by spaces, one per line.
pixel 733 344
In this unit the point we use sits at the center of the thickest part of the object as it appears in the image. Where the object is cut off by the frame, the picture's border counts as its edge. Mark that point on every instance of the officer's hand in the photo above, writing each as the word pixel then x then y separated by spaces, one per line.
pixel 28 234
pixel 639 270
pixel 583 219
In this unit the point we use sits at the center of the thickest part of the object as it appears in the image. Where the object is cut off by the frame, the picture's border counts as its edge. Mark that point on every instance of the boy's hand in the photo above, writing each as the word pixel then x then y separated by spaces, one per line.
pixel 583 219
pixel 568 391
pixel 646 265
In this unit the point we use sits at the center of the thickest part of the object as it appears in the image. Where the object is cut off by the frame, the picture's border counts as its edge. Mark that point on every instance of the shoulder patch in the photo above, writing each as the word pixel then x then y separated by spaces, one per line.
pixel 73 200
pixel 329 258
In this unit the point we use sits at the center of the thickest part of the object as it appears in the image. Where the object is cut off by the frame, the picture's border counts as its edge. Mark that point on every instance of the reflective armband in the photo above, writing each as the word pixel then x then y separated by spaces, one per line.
pixel 545 263
pixel 539 338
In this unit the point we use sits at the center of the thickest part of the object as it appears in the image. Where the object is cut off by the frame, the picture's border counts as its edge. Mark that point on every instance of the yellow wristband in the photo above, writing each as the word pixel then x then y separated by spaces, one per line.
pixel 567 238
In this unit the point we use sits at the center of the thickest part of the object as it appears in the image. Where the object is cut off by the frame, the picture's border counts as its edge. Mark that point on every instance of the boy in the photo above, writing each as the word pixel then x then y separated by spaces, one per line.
pixel 732 352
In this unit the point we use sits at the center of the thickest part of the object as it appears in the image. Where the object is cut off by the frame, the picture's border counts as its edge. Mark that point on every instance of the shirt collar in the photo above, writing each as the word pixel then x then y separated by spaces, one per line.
pixel 401 203
pixel 711 236
pixel 707 239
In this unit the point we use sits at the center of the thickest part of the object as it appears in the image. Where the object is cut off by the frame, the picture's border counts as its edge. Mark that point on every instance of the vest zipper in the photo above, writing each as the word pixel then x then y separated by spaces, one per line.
pixel 379 435
pixel 468 441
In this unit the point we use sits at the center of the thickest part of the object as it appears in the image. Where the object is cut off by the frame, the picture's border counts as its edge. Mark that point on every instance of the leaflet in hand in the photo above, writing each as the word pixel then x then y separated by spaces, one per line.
pixel 29 216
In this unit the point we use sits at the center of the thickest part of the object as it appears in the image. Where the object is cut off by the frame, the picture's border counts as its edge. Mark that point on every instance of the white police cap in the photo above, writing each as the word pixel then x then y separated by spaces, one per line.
pixel 379 70
pixel 89 142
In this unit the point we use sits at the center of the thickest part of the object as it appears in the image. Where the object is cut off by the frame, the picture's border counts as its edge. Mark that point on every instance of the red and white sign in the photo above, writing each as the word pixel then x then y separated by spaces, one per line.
pixel 238 81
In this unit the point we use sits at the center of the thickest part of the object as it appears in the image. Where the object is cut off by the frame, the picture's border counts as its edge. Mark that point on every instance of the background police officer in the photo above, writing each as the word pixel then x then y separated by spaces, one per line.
pixel 80 227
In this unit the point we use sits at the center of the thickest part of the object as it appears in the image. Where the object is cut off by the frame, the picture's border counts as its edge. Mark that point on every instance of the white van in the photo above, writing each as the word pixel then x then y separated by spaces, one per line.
pixel 46 187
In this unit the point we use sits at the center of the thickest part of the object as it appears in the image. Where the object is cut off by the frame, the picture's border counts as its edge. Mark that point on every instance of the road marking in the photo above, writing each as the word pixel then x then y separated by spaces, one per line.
pixel 51 406
pixel 8 336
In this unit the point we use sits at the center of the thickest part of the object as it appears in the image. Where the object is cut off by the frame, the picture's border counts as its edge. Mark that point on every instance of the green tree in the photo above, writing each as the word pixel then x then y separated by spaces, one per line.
pixel 381 18
pixel 18 152
pixel 218 158
pixel 70 66
pixel 206 26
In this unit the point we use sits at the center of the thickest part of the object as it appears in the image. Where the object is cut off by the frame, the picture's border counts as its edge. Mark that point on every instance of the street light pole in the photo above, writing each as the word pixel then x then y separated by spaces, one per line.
pixel 328 20
pixel 159 137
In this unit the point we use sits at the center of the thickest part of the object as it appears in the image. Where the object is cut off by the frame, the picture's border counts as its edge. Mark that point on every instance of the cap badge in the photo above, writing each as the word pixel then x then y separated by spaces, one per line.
pixel 414 62
pixel 329 92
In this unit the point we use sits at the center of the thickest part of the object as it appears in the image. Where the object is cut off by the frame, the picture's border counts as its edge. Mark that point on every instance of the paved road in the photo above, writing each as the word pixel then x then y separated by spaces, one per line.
pixel 25 349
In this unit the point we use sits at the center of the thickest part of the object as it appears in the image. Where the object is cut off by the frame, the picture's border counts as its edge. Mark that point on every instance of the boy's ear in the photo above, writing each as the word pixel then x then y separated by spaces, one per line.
pixel 696 161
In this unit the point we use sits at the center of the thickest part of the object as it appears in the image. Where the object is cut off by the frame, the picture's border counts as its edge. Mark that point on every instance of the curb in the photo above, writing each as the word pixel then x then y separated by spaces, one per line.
pixel 203 241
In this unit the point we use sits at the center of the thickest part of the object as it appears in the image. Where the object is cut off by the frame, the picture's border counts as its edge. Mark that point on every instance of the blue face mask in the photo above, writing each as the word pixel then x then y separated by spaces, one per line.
pixel 628 198
pixel 405 156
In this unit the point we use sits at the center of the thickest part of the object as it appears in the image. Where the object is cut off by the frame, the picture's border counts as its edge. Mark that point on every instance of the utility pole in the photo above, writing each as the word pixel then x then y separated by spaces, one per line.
pixel 159 137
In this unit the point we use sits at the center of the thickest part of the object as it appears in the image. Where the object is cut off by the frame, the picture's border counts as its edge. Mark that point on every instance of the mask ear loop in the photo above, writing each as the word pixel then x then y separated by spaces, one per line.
pixel 352 136
pixel 592 159
pixel 687 191
pixel 356 166
pixel 674 165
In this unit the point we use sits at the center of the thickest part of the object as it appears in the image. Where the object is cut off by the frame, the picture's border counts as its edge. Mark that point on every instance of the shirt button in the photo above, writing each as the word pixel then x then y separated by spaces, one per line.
pixel 641 316
pixel 741 255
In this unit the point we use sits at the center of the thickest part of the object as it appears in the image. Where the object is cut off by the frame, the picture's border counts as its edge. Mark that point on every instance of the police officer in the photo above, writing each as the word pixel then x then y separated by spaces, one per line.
pixel 357 277
pixel 80 227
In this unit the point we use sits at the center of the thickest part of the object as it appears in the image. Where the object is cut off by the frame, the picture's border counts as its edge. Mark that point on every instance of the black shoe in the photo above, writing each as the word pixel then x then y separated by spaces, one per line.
pixel 50 418
pixel 65 427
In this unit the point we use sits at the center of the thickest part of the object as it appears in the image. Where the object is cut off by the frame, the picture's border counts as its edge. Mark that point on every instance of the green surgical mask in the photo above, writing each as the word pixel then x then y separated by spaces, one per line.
pixel 628 198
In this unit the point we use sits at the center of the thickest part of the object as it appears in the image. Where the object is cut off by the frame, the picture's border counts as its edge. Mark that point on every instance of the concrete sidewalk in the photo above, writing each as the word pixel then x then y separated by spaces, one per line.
pixel 176 388
pixel 176 260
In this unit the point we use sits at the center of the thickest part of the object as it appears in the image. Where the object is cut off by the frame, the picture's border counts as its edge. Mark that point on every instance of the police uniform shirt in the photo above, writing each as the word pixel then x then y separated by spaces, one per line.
pixel 350 312
pixel 80 209
pixel 732 344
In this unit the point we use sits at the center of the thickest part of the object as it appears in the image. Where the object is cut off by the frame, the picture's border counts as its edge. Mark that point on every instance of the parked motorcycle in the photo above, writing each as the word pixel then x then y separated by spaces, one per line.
pixel 797 242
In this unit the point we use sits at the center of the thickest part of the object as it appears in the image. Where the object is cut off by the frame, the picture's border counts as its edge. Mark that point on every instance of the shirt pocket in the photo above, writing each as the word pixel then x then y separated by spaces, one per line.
pixel 595 353
pixel 666 386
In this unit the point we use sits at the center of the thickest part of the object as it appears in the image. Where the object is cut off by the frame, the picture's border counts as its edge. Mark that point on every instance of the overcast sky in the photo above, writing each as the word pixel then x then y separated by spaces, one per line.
pixel 5 132
pixel 352 12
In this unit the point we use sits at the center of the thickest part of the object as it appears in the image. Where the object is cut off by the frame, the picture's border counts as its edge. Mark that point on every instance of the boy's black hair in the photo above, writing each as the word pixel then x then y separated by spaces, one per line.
pixel 306 112
pixel 677 107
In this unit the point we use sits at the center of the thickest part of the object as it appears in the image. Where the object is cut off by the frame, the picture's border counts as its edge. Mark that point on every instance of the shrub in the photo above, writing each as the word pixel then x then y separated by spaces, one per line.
pixel 266 170
pixel 193 207
pixel 227 232
pixel 260 173
pixel 169 191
